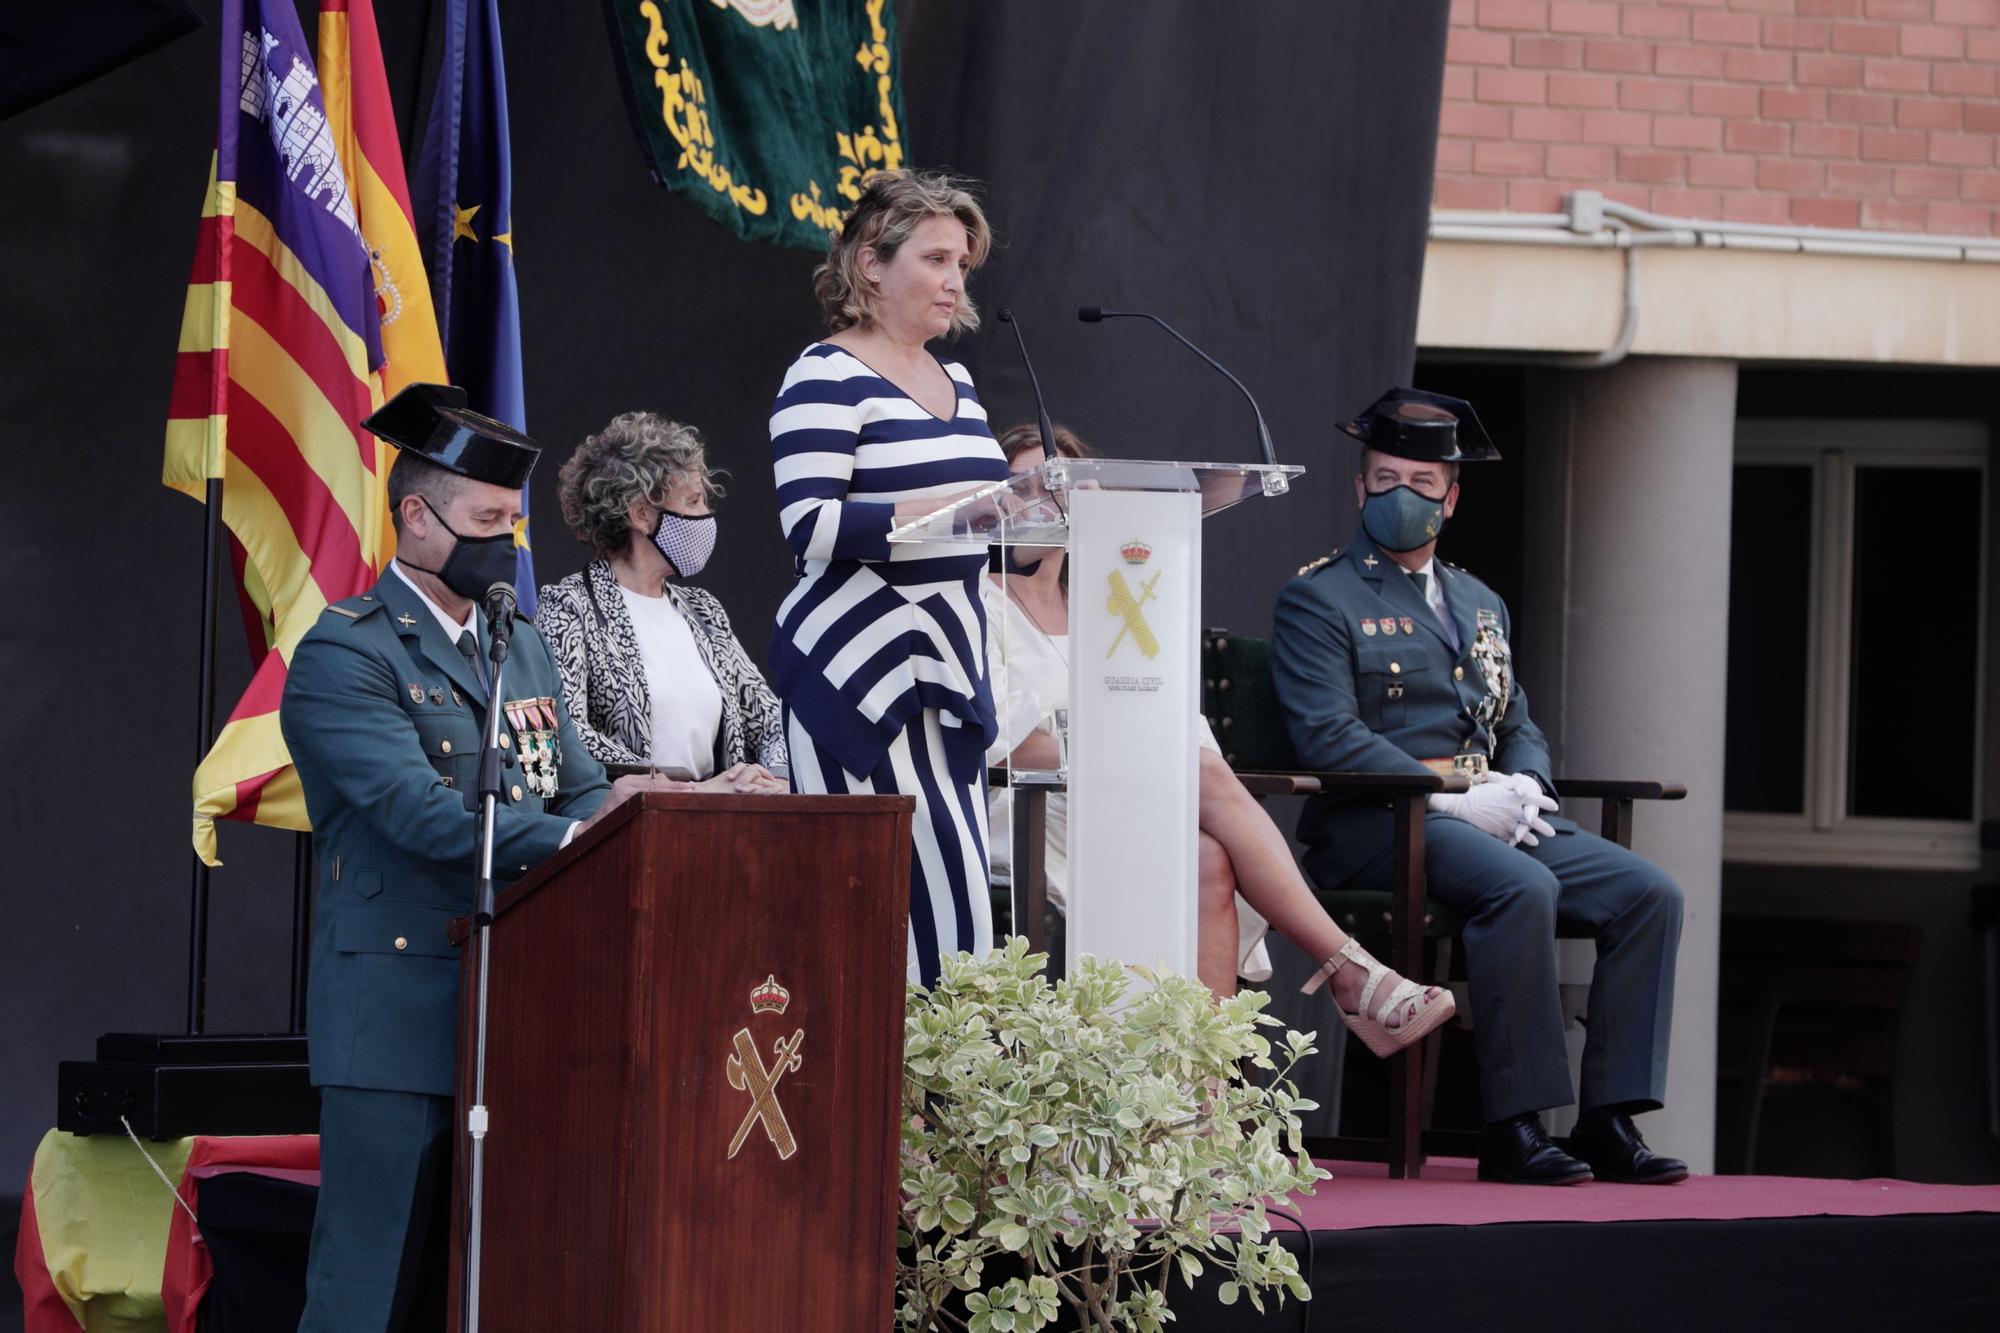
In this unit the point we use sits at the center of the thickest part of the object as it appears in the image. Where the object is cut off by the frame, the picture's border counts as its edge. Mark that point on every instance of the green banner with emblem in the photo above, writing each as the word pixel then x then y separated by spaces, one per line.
pixel 767 113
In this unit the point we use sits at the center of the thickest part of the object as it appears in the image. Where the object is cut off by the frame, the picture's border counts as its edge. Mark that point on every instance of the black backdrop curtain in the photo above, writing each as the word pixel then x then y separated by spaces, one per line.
pixel 1258 175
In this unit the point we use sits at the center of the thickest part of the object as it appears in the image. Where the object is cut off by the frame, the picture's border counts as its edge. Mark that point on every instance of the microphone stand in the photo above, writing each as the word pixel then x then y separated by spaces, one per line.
pixel 1042 422
pixel 485 798
pixel 1091 314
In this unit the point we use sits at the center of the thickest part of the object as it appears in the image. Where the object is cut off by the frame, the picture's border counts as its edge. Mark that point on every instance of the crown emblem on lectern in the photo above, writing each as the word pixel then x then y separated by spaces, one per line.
pixel 1136 552
pixel 769 997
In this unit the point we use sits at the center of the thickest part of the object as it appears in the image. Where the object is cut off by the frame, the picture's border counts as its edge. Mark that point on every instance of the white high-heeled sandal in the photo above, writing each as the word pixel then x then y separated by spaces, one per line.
pixel 1374 1031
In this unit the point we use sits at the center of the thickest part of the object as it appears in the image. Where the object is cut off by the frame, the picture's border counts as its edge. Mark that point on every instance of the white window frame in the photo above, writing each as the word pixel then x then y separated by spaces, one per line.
pixel 1825 835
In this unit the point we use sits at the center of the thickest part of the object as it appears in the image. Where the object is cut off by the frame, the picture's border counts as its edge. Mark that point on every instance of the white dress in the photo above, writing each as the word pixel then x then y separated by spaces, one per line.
pixel 1030 675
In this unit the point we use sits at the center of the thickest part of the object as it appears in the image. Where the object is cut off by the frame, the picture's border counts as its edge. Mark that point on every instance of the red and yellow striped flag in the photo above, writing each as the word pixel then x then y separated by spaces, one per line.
pixel 364 130
pixel 306 251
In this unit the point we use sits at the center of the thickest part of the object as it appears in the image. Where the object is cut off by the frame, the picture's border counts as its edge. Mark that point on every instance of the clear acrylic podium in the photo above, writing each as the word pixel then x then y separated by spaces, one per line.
pixel 1132 530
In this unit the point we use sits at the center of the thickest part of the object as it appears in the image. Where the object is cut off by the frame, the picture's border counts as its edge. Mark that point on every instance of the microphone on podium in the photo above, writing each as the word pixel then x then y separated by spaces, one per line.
pixel 1091 314
pixel 1041 408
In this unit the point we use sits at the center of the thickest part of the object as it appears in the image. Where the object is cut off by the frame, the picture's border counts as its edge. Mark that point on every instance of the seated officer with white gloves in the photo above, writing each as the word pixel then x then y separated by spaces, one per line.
pixel 1387 659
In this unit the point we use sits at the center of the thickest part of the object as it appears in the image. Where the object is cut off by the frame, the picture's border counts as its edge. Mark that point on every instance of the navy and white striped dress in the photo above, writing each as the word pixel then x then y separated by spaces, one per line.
pixel 880 650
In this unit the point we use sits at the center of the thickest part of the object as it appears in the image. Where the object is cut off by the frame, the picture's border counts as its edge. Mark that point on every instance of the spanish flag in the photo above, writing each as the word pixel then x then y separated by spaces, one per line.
pixel 364 130
pixel 307 302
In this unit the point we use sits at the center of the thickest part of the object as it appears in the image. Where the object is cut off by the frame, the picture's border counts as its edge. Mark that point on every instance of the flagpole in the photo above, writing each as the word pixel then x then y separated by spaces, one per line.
pixel 197 996
pixel 302 871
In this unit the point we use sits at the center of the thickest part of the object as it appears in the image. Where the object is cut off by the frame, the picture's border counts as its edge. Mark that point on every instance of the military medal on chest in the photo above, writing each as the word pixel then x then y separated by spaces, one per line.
pixel 1495 660
pixel 542 711
pixel 531 745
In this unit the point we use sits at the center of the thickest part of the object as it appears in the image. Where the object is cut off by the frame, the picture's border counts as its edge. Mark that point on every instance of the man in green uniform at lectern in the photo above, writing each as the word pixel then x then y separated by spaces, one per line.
pixel 384 712
pixel 1385 658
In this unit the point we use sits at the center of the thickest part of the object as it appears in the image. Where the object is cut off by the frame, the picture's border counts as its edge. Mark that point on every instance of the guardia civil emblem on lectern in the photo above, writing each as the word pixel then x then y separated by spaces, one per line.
pixel 747 1072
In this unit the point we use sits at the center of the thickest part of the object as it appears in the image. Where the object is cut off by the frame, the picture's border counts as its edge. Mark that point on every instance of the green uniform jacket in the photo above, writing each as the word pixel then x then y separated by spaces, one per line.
pixel 384 716
pixel 1369 681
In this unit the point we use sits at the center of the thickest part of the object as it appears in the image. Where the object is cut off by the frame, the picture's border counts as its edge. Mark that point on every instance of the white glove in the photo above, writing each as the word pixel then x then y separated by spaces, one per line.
pixel 1506 805
pixel 1534 804
pixel 1490 807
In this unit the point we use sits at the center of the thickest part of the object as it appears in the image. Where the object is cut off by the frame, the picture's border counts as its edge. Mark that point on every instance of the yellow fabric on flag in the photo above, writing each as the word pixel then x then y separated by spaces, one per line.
pixel 412 350
pixel 247 748
pixel 292 396
pixel 103 1219
pixel 194 445
pixel 281 381
pixel 251 747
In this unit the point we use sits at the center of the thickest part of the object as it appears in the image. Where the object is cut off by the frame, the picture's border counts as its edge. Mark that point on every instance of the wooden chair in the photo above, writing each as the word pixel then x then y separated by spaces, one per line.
pixel 1809 1011
pixel 1241 704
pixel 1404 793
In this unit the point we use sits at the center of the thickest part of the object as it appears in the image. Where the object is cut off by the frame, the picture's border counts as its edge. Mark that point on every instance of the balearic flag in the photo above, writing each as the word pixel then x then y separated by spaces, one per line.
pixel 281 355
pixel 465 211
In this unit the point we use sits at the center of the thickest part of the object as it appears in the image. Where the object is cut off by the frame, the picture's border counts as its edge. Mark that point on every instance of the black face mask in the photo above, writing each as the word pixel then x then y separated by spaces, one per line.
pixel 475 563
pixel 1018 560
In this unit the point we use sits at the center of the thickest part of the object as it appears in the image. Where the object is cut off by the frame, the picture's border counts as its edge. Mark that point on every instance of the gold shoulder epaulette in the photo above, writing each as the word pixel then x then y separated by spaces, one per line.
pixel 1326 559
pixel 343 611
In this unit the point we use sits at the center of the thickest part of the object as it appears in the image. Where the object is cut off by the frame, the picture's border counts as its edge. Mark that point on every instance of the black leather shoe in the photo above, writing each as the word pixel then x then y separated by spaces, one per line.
pixel 1519 1152
pixel 1611 1144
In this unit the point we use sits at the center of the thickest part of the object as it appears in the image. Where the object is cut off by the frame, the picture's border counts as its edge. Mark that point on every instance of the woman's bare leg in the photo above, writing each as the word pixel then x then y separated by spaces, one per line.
pixel 1216 947
pixel 1268 877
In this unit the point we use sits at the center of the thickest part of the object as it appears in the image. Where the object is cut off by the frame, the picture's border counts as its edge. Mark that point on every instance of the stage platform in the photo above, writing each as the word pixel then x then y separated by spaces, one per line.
pixel 1447 1252
pixel 1717 1252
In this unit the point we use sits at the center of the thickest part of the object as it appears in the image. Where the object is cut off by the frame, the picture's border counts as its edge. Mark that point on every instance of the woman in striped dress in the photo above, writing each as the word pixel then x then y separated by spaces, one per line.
pixel 880 651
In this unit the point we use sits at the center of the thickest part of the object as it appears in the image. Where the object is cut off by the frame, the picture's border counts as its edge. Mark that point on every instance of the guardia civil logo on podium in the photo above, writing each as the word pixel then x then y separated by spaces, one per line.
pixel 768 114
pixel 1130 606
pixel 747 1072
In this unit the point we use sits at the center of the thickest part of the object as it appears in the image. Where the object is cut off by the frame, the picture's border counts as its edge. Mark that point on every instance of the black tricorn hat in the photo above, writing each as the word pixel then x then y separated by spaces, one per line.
pixel 432 420
pixel 1427 427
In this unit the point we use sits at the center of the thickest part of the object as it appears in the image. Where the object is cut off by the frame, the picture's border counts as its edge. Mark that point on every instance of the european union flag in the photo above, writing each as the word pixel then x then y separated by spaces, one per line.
pixel 465 206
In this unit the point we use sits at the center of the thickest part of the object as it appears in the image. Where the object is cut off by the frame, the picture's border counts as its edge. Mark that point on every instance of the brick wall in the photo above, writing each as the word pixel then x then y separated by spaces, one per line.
pixel 1823 113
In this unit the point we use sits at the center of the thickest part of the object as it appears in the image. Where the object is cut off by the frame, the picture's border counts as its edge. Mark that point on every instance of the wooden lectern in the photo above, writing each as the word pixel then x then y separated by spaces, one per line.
pixel 694 1068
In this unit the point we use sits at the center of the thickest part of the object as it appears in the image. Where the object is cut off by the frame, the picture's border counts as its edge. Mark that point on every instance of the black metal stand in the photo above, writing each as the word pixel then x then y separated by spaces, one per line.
pixel 302 867
pixel 484 797
pixel 167 1087
pixel 302 879
pixel 197 995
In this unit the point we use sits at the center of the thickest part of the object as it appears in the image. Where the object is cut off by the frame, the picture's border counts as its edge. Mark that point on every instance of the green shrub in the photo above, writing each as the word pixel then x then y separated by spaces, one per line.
pixel 1091 1139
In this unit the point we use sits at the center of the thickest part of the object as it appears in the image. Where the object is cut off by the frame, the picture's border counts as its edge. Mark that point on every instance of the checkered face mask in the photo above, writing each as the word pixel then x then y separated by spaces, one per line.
pixel 686 540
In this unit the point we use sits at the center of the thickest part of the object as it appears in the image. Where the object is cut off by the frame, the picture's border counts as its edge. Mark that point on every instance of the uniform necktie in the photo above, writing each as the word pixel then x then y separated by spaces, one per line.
pixel 468 645
pixel 1422 580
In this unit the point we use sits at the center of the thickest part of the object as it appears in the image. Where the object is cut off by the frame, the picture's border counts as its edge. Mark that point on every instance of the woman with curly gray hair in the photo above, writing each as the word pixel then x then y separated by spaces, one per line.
pixel 652 674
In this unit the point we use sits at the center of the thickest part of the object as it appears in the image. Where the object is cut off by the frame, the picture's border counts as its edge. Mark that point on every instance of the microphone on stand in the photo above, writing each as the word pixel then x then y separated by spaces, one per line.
pixel 500 603
pixel 1041 408
pixel 1091 314
pixel 997 558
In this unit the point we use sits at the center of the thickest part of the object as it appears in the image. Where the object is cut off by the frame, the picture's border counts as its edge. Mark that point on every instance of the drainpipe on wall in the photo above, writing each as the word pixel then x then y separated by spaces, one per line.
pixel 1590 221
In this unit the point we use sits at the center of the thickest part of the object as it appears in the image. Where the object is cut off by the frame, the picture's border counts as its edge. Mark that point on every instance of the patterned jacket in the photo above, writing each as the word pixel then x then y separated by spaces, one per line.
pixel 584 620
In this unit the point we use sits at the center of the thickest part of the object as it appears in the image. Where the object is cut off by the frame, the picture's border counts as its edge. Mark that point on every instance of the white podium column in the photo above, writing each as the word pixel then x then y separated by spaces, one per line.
pixel 1135 636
